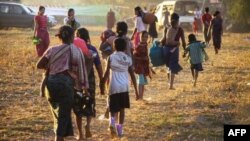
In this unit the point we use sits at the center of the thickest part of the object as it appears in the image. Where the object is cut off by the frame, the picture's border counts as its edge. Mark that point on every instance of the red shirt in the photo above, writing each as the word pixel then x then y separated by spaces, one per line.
pixel 141 66
pixel 41 21
pixel 195 25
pixel 206 19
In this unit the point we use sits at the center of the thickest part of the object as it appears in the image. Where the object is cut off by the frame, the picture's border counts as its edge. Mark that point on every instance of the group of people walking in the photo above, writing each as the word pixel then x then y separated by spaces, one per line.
pixel 208 24
pixel 70 68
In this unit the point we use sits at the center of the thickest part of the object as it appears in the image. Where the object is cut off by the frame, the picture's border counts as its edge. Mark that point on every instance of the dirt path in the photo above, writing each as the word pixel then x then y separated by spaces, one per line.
pixel 187 113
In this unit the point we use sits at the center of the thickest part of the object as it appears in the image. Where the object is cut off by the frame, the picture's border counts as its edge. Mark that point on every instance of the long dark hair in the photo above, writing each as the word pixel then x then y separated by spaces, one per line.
pixel 121 28
pixel 139 10
pixel 83 33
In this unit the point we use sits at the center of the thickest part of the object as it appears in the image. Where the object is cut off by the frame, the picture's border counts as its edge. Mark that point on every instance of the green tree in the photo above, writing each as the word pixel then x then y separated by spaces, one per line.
pixel 239 11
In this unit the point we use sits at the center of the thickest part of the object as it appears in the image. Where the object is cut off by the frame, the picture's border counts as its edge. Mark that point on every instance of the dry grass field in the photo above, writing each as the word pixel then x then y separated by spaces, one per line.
pixel 222 96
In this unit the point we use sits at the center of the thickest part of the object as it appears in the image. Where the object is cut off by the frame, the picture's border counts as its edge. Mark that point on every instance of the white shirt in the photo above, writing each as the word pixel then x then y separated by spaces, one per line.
pixel 129 43
pixel 119 63
pixel 139 24
pixel 66 22
pixel 197 14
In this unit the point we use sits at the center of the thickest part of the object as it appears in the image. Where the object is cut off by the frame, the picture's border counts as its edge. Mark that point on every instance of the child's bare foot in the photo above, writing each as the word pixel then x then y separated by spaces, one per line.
pixel 194 84
pixel 216 51
pixel 113 132
pixel 42 94
pixel 79 137
pixel 106 115
pixel 153 71
pixel 87 132
pixel 171 88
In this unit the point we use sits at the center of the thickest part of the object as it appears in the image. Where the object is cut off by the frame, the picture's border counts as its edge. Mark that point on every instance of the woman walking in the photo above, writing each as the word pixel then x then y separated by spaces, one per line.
pixel 139 26
pixel 152 28
pixel 41 32
pixel 66 74
pixel 217 30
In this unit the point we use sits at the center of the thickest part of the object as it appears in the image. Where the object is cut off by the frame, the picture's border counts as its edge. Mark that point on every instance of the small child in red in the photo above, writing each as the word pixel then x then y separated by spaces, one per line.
pixel 195 26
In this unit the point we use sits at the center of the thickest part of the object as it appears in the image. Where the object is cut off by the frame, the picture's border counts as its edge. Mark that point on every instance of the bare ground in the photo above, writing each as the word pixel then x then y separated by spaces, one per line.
pixel 187 113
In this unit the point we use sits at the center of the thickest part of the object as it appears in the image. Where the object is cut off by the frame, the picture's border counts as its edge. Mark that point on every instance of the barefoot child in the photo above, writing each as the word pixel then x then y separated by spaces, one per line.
pixel 122 30
pixel 195 26
pixel 196 54
pixel 141 63
pixel 171 38
pixel 119 65
pixel 89 112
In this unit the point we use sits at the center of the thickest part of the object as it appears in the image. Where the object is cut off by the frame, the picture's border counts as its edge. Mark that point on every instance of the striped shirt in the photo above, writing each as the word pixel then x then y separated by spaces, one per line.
pixel 195 50
pixel 41 21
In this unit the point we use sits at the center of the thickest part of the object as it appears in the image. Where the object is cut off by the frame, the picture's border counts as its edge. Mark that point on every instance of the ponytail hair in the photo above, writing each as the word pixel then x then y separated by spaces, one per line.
pixel 121 28
pixel 83 33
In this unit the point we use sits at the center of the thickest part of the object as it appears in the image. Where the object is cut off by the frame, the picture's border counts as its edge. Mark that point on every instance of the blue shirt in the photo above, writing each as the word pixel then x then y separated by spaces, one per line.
pixel 196 52
pixel 93 50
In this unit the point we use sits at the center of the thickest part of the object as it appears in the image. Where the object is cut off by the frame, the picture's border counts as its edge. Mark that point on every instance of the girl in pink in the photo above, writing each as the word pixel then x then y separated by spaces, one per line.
pixel 195 26
pixel 41 32
pixel 80 43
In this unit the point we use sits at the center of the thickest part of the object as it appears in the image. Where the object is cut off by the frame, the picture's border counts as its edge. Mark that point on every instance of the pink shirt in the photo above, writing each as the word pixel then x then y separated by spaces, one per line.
pixel 80 43
pixel 41 21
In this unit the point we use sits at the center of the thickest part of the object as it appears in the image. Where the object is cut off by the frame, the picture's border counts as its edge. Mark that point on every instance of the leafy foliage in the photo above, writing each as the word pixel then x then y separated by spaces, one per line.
pixel 239 10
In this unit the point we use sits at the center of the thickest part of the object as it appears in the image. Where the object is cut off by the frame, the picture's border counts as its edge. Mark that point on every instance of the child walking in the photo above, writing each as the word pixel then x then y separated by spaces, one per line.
pixel 171 41
pixel 195 26
pixel 196 54
pixel 90 111
pixel 141 63
pixel 119 65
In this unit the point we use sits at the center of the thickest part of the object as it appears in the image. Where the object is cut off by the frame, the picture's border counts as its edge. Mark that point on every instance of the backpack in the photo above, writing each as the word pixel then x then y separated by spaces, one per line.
pixel 156 55
pixel 106 34
pixel 148 18
pixel 106 49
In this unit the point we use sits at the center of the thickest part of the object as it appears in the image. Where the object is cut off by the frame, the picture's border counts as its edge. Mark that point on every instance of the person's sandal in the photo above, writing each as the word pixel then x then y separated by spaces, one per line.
pixel 87 132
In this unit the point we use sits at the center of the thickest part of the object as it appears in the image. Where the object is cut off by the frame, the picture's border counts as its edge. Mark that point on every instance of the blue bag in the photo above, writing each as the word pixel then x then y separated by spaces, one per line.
pixel 156 55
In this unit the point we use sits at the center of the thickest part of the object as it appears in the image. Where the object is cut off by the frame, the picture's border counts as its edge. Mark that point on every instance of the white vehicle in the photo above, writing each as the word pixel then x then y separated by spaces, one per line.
pixel 184 8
